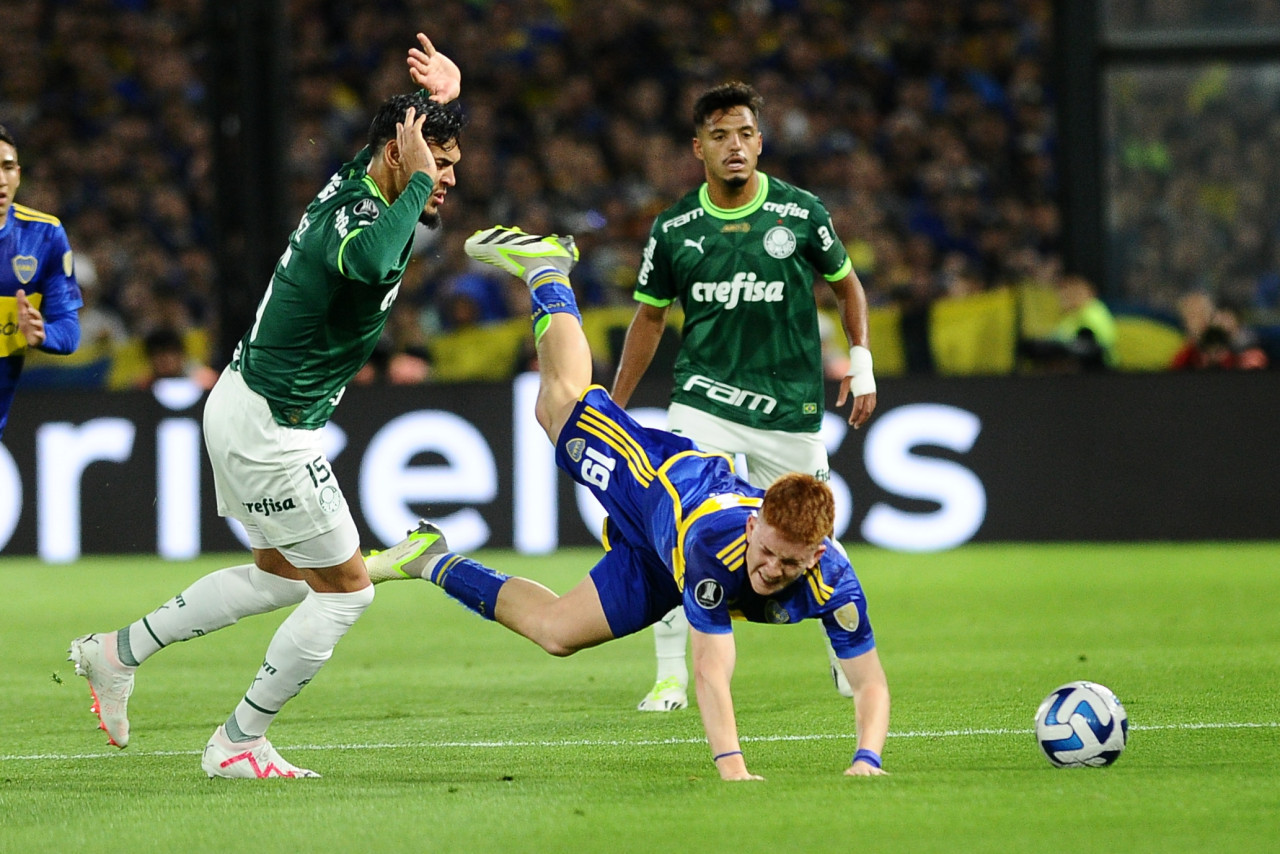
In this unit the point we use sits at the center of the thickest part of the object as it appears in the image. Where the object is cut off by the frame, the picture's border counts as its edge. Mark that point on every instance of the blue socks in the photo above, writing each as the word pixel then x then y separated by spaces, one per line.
pixel 551 295
pixel 473 584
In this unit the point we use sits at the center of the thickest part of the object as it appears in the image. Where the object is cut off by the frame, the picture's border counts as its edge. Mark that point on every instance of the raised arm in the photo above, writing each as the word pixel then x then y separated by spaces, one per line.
pixel 434 71
pixel 714 656
pixel 871 704
pixel 643 336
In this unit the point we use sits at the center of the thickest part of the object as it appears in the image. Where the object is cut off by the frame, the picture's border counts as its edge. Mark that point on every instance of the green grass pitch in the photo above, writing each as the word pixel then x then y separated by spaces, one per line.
pixel 436 731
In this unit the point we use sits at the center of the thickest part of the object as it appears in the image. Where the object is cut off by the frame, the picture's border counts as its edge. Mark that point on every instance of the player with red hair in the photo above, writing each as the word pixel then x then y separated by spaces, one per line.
pixel 683 529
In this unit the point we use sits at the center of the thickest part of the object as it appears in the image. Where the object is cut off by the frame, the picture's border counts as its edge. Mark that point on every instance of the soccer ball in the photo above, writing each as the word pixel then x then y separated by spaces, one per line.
pixel 1082 723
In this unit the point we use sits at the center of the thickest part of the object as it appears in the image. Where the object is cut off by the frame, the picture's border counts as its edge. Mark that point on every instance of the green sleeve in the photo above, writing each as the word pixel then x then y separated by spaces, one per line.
pixel 826 252
pixel 654 283
pixel 367 254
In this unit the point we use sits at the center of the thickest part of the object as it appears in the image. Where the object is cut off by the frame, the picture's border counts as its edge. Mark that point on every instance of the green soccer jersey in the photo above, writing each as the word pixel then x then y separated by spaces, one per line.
pixel 752 352
pixel 329 298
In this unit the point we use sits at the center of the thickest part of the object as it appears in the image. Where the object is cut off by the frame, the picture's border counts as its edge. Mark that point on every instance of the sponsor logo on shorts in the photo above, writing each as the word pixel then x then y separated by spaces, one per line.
pixel 822 475
pixel 574 449
pixel 330 499
pixel 732 395
pixel 708 593
pixel 267 506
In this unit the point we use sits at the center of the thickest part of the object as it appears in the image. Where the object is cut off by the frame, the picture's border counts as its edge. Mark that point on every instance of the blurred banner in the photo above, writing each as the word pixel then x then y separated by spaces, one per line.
pixel 942 463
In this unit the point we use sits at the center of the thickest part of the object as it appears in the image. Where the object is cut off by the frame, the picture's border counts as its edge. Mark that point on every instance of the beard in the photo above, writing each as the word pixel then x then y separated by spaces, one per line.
pixel 430 220
pixel 737 181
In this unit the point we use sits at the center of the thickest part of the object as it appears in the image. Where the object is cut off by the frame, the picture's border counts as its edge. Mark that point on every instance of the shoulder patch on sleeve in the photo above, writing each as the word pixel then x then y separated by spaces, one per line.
pixel 709 593
pixel 847 616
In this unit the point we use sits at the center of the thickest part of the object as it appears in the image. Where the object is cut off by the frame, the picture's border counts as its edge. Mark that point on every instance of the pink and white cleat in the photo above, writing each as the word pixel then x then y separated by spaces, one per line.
pixel 250 760
pixel 110 683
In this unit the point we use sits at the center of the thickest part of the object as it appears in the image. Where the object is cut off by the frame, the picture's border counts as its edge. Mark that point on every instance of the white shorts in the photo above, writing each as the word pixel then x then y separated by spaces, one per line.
pixel 275 480
pixel 769 453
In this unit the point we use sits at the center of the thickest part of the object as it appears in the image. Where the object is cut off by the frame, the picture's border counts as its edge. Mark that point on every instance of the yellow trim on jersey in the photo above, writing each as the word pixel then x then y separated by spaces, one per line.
pixel 593 421
pixel 606 423
pixel 583 396
pixel 678 508
pixel 822 591
pixel 33 215
pixel 734 555
pixel 714 504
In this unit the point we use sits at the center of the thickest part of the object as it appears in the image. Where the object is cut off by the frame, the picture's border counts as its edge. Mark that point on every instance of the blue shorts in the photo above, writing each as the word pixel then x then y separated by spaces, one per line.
pixel 613 455
pixel 636 588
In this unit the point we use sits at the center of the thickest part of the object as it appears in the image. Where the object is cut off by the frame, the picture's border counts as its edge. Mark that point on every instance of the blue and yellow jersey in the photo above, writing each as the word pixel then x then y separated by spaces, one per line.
pixel 688 510
pixel 35 257
pixel 717 590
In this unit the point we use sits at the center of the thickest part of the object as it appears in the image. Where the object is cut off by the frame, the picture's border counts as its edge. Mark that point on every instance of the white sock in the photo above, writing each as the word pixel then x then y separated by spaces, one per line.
pixel 300 647
pixel 670 638
pixel 213 602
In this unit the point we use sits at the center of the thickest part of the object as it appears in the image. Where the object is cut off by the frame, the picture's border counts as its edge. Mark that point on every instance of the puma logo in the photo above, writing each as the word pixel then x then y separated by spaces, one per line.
pixel 696 244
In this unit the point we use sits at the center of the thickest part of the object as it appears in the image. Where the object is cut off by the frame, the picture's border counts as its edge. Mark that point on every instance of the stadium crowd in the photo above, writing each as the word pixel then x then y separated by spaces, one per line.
pixel 927 129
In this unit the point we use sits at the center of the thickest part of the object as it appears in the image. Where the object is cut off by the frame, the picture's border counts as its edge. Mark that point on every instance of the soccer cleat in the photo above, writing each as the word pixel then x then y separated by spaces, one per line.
pixel 666 696
pixel 110 683
pixel 408 558
pixel 249 760
pixel 838 677
pixel 520 253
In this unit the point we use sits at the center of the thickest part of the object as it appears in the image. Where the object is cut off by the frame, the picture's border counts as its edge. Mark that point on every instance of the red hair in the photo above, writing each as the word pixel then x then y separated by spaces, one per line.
pixel 800 507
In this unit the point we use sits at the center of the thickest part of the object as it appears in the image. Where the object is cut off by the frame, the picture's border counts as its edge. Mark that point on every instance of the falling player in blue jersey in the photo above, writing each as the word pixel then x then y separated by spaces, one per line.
pixel 682 530
pixel 38 291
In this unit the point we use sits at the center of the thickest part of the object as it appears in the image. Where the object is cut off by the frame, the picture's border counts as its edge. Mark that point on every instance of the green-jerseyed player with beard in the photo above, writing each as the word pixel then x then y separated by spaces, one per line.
pixel 741 254
pixel 316 326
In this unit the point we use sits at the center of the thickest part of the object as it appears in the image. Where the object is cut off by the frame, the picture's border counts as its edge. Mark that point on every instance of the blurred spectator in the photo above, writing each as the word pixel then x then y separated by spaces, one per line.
pixel 1085 337
pixel 928 128
pixel 1216 338
pixel 168 358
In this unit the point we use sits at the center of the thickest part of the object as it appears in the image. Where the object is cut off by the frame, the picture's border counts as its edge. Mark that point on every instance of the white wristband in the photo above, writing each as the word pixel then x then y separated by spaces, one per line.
pixel 863 381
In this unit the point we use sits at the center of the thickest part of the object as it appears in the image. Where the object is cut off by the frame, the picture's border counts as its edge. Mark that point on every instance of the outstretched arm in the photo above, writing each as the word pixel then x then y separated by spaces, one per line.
pixel 713 660
pixel 871 705
pixel 434 71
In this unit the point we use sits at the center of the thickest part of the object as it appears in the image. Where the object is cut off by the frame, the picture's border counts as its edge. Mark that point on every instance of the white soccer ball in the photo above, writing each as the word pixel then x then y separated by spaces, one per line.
pixel 1082 723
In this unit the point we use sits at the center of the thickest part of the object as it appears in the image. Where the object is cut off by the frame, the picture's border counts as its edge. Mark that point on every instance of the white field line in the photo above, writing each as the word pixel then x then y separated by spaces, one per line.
pixel 587 742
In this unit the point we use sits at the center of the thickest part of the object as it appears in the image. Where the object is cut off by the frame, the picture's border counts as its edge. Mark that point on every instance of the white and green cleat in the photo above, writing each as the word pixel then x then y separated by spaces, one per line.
pixel 666 695
pixel 412 557
pixel 522 254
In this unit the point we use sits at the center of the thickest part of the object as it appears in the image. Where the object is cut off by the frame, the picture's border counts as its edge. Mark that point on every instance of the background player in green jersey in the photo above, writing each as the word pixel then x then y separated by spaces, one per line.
pixel 317 324
pixel 741 254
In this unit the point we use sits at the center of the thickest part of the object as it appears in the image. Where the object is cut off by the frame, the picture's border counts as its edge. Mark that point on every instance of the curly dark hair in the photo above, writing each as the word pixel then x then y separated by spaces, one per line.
pixel 443 124
pixel 5 136
pixel 723 97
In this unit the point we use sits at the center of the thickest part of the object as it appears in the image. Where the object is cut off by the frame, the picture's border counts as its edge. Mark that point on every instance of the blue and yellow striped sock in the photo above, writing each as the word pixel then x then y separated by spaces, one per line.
pixel 552 294
pixel 473 584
